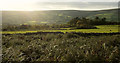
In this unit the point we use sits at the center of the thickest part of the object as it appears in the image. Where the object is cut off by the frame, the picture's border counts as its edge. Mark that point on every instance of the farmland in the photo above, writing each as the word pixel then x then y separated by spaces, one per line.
pixel 101 29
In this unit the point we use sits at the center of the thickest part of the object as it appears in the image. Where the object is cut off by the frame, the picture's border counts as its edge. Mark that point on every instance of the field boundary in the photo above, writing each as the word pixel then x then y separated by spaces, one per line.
pixel 78 33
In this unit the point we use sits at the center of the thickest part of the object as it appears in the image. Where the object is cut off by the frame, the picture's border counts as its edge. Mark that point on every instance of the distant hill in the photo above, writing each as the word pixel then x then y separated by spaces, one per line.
pixel 54 16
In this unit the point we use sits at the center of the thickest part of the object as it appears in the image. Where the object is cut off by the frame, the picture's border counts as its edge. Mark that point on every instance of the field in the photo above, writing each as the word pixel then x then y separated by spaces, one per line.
pixel 101 29
pixel 60 47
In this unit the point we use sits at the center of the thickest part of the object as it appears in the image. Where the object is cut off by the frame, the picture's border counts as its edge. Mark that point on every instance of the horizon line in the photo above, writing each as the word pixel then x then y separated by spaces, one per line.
pixel 65 9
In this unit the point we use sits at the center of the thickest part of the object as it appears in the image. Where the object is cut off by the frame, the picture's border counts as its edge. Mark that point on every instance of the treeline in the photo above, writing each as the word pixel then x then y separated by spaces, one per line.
pixel 87 21
pixel 32 27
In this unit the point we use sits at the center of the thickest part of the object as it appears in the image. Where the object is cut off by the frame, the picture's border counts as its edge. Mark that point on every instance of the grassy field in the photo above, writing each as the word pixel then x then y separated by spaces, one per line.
pixel 101 29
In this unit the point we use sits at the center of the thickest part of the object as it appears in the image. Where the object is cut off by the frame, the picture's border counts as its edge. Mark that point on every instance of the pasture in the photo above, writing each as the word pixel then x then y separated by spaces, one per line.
pixel 100 29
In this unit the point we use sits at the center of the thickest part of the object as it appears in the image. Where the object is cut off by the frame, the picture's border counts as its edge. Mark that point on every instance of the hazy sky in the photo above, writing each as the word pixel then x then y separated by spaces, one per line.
pixel 57 4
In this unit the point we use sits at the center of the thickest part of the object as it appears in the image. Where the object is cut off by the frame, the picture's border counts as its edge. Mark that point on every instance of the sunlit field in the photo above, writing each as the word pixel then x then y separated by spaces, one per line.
pixel 101 29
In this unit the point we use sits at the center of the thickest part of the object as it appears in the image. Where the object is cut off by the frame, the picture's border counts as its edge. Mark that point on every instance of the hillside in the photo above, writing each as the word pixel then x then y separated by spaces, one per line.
pixel 54 16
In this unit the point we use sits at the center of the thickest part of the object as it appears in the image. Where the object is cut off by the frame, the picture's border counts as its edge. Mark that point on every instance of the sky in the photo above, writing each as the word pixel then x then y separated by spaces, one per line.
pixel 35 5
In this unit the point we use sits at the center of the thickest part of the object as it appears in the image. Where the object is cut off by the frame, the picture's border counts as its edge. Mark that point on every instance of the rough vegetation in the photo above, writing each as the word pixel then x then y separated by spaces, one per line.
pixel 61 47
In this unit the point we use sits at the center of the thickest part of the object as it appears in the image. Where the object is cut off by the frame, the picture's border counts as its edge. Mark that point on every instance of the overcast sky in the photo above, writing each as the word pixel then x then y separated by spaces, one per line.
pixel 32 5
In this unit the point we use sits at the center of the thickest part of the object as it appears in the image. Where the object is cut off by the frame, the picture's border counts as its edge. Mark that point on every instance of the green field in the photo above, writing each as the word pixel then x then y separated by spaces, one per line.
pixel 101 29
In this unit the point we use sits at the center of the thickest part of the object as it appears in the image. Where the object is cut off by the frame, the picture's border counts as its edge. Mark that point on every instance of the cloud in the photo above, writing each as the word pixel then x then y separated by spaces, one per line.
pixel 57 4
pixel 77 5
pixel 79 1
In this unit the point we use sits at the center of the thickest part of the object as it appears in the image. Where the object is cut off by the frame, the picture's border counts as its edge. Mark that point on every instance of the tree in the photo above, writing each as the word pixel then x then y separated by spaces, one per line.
pixel 74 21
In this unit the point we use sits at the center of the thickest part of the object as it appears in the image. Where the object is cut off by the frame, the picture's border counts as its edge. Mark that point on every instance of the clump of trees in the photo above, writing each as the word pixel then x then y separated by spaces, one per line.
pixel 85 22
